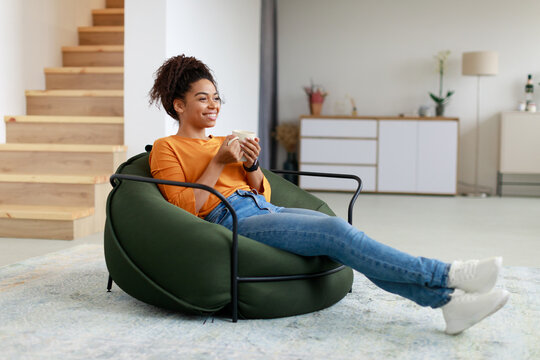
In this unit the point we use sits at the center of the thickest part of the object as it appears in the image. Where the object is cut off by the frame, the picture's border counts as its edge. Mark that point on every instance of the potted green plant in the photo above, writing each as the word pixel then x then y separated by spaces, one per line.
pixel 440 101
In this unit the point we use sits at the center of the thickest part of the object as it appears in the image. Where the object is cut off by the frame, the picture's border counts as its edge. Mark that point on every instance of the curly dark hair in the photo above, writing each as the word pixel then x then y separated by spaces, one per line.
pixel 174 78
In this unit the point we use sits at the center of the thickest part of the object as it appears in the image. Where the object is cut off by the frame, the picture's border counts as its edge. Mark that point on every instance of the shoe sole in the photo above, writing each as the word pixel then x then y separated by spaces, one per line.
pixel 499 306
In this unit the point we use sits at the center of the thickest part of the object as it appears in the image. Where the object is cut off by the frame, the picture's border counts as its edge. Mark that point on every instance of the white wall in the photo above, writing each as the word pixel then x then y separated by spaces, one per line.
pixel 223 34
pixel 144 51
pixel 381 52
pixel 32 33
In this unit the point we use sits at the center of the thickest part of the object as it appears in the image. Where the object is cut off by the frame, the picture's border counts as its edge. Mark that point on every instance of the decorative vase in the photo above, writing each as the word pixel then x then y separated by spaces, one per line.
pixel 315 108
pixel 439 110
pixel 291 164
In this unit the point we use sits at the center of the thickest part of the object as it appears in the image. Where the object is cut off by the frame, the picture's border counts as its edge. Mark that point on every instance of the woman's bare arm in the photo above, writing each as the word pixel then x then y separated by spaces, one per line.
pixel 226 154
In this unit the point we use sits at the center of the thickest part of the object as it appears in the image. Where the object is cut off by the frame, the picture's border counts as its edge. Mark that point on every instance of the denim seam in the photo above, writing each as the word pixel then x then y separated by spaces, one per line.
pixel 255 200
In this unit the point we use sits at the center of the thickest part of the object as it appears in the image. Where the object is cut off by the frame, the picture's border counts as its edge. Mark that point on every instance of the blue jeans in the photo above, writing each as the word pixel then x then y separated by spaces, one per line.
pixel 311 233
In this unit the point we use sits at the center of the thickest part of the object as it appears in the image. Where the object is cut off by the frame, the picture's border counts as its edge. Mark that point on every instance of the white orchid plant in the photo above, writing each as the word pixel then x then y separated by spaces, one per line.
pixel 441 58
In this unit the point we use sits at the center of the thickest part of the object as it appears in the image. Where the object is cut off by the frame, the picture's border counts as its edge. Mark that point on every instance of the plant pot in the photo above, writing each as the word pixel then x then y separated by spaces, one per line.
pixel 315 108
pixel 291 164
pixel 439 110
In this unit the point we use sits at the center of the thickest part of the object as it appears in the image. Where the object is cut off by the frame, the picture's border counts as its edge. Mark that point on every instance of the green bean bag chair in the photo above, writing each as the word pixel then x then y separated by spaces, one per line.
pixel 167 257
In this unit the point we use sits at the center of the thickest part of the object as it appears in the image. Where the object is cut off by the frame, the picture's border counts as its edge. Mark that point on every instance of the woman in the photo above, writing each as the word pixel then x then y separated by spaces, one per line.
pixel 188 92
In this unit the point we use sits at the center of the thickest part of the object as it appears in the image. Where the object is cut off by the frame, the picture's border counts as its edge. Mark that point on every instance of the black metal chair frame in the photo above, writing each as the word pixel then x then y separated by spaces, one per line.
pixel 235 279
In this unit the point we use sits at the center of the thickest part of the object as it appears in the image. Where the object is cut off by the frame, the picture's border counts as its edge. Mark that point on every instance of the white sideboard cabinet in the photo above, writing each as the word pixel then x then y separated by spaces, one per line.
pixel 390 155
pixel 519 157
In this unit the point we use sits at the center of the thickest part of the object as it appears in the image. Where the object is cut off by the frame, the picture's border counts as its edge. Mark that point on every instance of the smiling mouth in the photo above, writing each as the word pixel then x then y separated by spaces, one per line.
pixel 212 116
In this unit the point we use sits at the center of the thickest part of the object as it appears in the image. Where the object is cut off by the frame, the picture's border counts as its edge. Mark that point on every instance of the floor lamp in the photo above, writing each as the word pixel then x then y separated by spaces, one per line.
pixel 479 63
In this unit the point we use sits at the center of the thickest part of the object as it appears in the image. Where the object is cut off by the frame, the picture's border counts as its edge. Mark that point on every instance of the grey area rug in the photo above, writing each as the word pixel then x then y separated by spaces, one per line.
pixel 56 307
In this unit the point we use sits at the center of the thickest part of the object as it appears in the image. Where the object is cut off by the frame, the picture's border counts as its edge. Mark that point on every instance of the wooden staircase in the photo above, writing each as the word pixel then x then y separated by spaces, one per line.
pixel 56 163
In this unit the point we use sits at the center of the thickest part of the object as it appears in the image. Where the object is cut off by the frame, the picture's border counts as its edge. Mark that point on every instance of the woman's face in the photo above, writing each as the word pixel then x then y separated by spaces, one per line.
pixel 201 105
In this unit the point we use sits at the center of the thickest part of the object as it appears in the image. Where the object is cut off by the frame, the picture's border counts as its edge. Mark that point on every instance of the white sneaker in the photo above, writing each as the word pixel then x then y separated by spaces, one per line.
pixel 464 310
pixel 474 276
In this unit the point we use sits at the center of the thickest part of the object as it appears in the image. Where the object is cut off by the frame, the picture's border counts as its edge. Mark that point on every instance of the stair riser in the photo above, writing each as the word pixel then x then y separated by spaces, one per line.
pixel 75 105
pixel 47 194
pixel 108 20
pixel 67 163
pixel 64 133
pixel 114 4
pixel 101 38
pixel 47 229
pixel 84 81
pixel 86 195
pixel 74 58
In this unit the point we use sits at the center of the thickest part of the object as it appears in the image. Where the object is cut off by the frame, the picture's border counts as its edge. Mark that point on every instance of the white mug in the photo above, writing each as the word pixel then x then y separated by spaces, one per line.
pixel 242 135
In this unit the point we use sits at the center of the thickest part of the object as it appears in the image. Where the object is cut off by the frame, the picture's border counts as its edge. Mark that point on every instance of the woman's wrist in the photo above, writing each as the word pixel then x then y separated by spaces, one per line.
pixel 255 179
pixel 253 166
pixel 215 162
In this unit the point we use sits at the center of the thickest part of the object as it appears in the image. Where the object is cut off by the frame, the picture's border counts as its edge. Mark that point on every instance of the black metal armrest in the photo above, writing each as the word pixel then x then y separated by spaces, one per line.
pixel 330 175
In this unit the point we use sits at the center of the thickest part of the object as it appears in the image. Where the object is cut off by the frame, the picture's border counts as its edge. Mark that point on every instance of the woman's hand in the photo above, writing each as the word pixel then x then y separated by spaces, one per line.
pixel 229 153
pixel 251 150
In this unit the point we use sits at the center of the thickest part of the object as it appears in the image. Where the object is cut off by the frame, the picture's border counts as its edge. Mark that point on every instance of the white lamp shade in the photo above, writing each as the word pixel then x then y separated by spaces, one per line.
pixel 480 63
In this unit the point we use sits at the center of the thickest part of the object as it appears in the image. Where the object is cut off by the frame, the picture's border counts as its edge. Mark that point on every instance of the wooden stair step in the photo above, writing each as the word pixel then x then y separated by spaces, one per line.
pixel 76 93
pixel 75 102
pixel 44 212
pixel 50 189
pixel 93 55
pixel 43 119
pixel 60 158
pixel 100 29
pixel 64 133
pixel 64 148
pixel 108 17
pixel 109 11
pixel 65 129
pixel 46 222
pixel 55 178
pixel 101 35
pixel 85 70
pixel 114 4
pixel 34 191
pixel 84 78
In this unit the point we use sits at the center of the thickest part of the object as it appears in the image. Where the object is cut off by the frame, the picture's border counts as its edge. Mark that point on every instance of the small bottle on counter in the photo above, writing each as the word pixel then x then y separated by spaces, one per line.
pixel 531 107
pixel 529 90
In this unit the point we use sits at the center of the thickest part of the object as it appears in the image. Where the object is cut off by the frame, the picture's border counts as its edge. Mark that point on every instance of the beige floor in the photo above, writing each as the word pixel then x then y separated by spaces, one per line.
pixel 447 228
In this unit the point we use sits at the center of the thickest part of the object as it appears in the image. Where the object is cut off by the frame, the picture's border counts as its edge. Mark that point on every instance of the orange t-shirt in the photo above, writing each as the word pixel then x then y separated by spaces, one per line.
pixel 184 159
